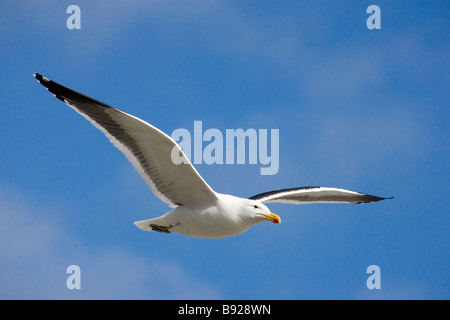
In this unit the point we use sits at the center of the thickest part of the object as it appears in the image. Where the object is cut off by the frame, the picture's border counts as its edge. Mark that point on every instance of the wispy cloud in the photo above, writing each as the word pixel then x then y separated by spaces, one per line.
pixel 36 247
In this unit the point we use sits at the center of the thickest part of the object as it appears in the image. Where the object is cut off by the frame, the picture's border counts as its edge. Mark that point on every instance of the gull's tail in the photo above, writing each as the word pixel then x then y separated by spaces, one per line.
pixel 156 224
pixel 144 224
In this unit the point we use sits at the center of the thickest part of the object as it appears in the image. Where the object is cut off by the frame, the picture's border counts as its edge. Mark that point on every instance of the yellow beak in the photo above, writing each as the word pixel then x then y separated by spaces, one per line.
pixel 272 217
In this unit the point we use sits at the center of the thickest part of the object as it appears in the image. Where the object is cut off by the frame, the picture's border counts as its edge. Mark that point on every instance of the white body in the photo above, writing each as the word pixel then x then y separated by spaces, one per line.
pixel 227 217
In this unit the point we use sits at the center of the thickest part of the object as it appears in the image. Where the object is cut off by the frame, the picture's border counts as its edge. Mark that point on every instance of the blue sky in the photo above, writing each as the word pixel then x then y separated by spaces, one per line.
pixel 356 108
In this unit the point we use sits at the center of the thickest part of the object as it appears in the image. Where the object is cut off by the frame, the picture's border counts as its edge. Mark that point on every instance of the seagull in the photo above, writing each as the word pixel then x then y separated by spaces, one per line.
pixel 197 210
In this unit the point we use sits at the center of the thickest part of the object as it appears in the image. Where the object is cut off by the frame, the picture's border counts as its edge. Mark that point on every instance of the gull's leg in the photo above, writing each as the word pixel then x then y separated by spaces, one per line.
pixel 160 224
pixel 159 228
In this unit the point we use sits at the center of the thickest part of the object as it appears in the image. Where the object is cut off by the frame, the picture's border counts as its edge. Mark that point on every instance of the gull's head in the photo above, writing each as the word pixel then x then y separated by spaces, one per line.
pixel 261 212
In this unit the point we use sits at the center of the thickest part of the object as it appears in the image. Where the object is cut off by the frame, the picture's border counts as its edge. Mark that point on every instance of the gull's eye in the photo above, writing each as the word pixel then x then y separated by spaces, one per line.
pixel 255 206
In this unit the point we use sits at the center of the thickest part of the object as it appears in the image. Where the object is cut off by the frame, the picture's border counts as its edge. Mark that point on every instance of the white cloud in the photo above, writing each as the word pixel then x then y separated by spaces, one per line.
pixel 36 246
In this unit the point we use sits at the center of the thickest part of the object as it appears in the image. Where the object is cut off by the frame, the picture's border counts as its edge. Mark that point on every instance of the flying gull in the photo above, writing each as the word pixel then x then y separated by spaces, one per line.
pixel 198 211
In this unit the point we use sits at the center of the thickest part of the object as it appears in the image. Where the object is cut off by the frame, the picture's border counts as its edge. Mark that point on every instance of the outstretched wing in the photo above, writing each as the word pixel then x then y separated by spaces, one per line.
pixel 305 195
pixel 147 148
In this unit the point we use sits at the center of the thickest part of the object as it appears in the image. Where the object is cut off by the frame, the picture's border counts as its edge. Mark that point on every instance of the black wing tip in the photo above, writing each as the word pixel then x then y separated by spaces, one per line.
pixel 40 77
pixel 63 93
pixel 49 85
pixel 369 199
